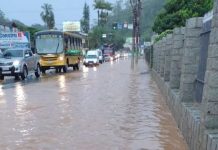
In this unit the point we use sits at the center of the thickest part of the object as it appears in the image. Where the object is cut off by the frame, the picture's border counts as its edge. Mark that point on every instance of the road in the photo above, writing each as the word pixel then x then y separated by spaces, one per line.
pixel 110 107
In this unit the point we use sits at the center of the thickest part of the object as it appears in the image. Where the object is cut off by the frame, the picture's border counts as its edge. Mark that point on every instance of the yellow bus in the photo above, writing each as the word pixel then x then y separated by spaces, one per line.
pixel 59 50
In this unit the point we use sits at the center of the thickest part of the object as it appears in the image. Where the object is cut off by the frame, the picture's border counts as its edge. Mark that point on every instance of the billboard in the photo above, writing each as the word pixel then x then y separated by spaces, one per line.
pixel 14 40
pixel 73 26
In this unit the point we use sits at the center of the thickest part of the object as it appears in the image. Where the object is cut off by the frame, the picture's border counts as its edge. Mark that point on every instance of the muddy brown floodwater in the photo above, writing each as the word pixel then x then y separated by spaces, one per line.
pixel 110 107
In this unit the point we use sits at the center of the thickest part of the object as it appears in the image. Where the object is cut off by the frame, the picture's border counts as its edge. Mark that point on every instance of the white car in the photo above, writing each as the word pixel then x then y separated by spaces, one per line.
pixel 19 62
pixel 92 58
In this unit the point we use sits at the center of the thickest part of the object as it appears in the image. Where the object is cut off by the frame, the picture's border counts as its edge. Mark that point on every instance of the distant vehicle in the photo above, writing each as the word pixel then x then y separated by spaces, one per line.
pixel 91 58
pixel 19 62
pixel 59 50
pixel 117 55
pixel 109 50
pixel 100 56
pixel 107 58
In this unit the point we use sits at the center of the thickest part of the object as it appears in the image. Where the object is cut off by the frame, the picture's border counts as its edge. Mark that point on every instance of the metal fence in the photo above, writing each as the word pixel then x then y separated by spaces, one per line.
pixel 205 38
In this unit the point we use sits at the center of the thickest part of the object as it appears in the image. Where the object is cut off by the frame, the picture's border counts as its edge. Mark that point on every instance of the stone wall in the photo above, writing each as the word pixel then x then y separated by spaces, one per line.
pixel 190 58
pixel 176 64
pixel 176 57
pixel 167 62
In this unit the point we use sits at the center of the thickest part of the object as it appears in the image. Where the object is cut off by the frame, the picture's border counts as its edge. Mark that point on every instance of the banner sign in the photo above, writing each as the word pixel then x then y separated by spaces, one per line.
pixel 14 40
pixel 72 26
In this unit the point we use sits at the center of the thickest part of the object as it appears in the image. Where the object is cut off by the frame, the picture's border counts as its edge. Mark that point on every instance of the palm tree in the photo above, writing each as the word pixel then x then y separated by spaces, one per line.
pixel 102 7
pixel 47 15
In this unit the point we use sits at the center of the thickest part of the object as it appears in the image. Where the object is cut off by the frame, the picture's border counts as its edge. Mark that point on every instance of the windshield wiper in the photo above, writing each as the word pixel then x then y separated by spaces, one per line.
pixel 57 48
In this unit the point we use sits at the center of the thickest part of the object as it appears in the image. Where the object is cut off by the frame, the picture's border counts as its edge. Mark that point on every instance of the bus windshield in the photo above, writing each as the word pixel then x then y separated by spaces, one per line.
pixel 49 45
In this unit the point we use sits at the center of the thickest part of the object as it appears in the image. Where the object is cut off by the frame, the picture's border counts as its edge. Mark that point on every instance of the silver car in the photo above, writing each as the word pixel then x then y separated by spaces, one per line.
pixel 19 62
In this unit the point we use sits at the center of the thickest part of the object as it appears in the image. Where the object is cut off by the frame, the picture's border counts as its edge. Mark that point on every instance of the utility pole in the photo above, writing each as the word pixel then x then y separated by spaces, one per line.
pixel 136 9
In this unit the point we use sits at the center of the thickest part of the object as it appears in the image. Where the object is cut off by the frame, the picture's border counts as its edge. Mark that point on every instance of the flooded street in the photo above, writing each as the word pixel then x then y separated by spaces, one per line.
pixel 109 107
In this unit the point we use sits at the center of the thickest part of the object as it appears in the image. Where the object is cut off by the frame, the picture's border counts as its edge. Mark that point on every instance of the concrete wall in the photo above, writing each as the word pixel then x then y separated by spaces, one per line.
pixel 167 62
pixel 180 52
pixel 190 58
pixel 162 59
pixel 176 57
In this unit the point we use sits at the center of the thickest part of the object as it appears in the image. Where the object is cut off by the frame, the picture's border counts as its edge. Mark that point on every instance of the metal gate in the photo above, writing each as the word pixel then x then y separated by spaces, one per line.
pixel 205 38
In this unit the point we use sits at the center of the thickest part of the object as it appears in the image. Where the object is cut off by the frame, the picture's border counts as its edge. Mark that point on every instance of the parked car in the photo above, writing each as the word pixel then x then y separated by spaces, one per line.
pixel 19 62
pixel 91 58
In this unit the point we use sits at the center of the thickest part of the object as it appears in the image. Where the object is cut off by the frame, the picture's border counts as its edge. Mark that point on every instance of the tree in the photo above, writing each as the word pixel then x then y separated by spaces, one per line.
pixel 20 25
pixel 103 8
pixel 2 15
pixel 47 15
pixel 86 19
pixel 176 12
pixel 95 36
pixel 3 19
pixel 38 26
pixel 122 13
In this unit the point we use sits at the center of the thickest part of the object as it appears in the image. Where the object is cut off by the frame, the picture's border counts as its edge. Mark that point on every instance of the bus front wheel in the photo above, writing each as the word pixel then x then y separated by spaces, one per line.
pixel 43 70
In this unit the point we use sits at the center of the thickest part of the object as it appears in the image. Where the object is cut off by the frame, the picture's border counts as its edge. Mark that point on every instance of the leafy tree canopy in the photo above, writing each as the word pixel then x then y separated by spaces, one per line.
pixel 47 15
pixel 176 12
pixel 85 21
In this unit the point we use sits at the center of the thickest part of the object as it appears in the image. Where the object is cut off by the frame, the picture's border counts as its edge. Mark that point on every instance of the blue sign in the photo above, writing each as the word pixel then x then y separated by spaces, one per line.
pixel 120 26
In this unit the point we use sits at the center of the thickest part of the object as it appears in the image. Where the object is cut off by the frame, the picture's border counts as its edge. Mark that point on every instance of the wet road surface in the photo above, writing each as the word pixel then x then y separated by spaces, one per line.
pixel 110 107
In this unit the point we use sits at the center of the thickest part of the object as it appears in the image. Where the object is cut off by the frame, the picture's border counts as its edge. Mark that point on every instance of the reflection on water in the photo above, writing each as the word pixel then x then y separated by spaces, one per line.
pixel 85 69
pixel 62 87
pixel 1 91
pixel 2 100
pixel 62 82
pixel 111 62
pixel 20 98
pixel 94 68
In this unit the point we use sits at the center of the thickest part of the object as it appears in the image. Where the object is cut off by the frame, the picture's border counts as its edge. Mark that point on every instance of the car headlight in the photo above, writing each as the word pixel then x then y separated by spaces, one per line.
pixel 61 58
pixel 16 63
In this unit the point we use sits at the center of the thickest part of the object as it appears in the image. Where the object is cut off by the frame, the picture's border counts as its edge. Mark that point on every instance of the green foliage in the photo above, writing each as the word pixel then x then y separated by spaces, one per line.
pixel 122 12
pixel 118 40
pixel 113 37
pixel 163 34
pixel 95 36
pixel 47 15
pixel 102 4
pixel 38 27
pixel 103 8
pixel 150 9
pixel 176 12
pixel 85 21
pixel 3 19
pixel 21 26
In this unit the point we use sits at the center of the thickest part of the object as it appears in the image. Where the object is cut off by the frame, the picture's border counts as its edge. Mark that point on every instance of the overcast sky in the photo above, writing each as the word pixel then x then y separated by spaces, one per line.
pixel 28 11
